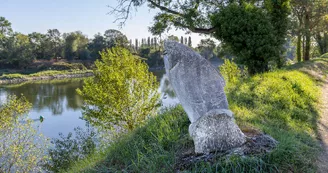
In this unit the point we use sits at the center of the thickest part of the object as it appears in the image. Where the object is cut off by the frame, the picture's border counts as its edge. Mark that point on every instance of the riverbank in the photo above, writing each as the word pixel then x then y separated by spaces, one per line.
pixel 44 75
pixel 284 104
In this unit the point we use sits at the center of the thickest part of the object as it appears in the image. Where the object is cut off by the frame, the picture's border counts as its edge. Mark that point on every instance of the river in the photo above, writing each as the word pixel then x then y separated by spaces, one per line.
pixel 60 105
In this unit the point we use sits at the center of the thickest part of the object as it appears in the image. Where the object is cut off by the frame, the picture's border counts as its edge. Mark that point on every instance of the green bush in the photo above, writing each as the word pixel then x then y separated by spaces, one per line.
pixel 67 66
pixel 23 148
pixel 123 93
pixel 230 71
pixel 69 149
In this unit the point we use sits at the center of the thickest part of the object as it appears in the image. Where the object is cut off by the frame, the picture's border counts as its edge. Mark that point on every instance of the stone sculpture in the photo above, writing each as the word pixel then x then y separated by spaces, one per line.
pixel 200 89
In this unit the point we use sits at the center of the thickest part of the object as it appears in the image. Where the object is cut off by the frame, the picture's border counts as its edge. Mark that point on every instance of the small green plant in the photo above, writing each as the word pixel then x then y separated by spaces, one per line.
pixel 230 71
pixel 69 149
pixel 123 93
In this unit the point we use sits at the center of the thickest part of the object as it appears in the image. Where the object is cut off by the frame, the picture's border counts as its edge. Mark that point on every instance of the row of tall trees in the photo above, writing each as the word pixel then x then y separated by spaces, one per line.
pixel 156 43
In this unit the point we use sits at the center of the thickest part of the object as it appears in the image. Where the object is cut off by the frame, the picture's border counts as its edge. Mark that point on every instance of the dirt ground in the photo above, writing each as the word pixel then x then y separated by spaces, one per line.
pixel 323 131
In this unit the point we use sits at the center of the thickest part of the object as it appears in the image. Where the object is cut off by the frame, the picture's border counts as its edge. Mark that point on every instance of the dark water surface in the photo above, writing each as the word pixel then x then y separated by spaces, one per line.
pixel 60 105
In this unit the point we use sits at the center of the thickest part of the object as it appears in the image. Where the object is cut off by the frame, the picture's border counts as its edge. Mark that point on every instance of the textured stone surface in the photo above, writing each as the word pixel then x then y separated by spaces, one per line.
pixel 200 89
pixel 216 131
pixel 197 84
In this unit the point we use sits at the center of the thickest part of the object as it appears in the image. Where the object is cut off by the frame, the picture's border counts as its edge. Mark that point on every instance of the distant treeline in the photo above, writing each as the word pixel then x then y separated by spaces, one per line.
pixel 18 50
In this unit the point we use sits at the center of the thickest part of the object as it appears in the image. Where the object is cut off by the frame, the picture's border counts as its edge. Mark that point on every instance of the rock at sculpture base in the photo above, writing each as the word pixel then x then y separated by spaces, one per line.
pixel 258 143
pixel 216 131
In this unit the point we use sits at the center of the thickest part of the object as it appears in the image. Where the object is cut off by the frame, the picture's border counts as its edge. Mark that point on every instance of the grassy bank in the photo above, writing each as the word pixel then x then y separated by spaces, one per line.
pixel 43 75
pixel 283 104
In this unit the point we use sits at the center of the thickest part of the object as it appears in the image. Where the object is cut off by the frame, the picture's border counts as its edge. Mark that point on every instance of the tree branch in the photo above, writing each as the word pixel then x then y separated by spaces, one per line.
pixel 165 8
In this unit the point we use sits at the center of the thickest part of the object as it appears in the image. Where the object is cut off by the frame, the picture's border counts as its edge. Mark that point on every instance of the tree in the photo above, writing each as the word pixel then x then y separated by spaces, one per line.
pixel 206 48
pixel 309 19
pixel 152 42
pixel 249 35
pixel 17 51
pixel 136 44
pixel 115 38
pixel 148 42
pixel 189 42
pixel 22 148
pixel 76 46
pixel 173 37
pixel 5 27
pixel 155 42
pixel 55 41
pixel 122 93
pixel 97 44
pixel 200 16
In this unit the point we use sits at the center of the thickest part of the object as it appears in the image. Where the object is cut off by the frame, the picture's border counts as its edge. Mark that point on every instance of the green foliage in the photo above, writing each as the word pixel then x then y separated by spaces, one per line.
pixel 230 71
pixel 43 73
pixel 151 148
pixel 206 48
pixel 22 148
pixel 69 149
pixel 255 30
pixel 324 55
pixel 67 66
pixel 122 93
pixel 75 45
pixel 115 38
pixel 249 33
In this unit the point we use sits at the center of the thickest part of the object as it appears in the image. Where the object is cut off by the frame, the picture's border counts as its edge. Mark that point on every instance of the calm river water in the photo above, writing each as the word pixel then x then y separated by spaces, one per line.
pixel 60 105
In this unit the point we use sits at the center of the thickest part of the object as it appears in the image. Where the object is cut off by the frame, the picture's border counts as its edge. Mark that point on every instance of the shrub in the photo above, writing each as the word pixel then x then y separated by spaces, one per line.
pixel 230 71
pixel 122 93
pixel 22 148
pixel 67 66
pixel 69 149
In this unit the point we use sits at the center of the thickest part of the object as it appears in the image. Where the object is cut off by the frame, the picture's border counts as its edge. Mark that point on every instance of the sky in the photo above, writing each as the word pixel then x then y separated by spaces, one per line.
pixel 88 16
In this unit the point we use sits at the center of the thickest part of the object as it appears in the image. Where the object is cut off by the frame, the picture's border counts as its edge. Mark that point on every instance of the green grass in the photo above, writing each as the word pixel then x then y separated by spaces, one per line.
pixel 283 104
pixel 42 73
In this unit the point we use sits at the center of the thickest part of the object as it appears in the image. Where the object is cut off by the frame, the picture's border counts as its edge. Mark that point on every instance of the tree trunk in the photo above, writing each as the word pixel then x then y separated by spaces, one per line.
pixel 298 48
pixel 303 46
pixel 325 43
pixel 320 42
pixel 308 37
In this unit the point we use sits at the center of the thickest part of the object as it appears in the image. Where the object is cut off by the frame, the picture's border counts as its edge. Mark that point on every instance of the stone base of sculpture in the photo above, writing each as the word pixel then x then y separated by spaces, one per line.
pixel 216 131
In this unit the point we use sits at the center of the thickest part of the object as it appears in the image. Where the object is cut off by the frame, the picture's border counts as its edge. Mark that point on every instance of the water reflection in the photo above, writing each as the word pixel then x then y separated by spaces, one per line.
pixel 56 96
pixel 60 105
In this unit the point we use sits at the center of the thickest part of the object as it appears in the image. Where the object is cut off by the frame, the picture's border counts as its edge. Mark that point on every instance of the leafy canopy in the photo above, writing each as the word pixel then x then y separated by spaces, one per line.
pixel 255 38
pixel 123 93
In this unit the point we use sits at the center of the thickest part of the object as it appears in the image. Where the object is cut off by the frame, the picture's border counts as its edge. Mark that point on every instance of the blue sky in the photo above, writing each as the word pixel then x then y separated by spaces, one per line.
pixel 88 16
